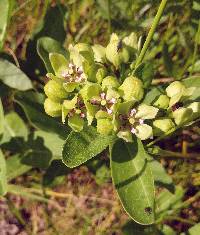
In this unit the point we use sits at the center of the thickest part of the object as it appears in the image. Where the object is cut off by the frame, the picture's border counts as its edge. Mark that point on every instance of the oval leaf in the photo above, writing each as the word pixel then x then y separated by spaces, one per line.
pixel 13 76
pixel 133 180
pixel 5 6
pixel 3 180
pixel 1 120
pixel 45 46
pixel 82 146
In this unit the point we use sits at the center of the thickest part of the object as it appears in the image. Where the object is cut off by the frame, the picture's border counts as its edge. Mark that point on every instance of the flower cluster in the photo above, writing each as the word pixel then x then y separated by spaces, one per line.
pixel 95 85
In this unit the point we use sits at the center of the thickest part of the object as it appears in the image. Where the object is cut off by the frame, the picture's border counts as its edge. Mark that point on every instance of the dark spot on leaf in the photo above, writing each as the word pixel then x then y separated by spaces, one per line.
pixel 148 210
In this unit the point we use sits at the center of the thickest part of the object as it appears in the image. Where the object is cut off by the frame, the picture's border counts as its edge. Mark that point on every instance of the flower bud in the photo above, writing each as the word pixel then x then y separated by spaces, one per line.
pixel 162 102
pixel 55 91
pixel 182 115
pixel 116 51
pixel 100 75
pixel 104 126
pixel 86 51
pixel 131 43
pixel 99 53
pixel 132 89
pixel 174 88
pixel 52 108
pixel 161 126
pixel 110 81
pixel 195 106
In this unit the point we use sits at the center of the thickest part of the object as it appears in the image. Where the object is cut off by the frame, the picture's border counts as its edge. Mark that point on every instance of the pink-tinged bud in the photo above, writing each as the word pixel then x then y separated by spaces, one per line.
pixel 141 121
pixel 133 111
pixel 112 101
pixel 133 130
pixel 103 95
pixel 109 111
pixel 82 115
pixel 65 74
pixel 71 66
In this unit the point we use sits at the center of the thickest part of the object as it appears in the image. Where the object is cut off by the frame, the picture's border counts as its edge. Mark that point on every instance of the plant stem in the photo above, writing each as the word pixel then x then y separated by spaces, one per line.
pixel 151 32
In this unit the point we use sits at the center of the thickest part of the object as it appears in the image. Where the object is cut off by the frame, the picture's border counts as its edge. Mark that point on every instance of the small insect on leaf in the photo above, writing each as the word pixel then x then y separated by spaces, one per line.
pixel 119 46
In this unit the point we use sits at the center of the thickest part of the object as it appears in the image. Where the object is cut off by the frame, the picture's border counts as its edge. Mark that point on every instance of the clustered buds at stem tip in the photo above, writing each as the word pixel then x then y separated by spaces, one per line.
pixel 92 87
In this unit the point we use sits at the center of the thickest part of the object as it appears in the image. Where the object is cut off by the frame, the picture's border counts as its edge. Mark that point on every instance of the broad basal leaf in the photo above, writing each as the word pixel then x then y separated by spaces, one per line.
pixel 133 180
pixel 82 146
pixel 3 180
pixel 13 76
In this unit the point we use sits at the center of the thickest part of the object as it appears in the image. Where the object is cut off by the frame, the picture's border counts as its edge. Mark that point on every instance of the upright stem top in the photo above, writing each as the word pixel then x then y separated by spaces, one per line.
pixel 151 32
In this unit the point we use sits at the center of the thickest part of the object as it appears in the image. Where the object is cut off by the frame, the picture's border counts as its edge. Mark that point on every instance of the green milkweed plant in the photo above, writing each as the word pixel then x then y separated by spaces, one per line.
pixel 102 95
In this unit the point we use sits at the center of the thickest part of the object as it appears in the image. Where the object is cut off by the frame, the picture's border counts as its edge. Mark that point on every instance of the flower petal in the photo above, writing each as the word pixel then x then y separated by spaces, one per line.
pixel 104 126
pixel 76 122
pixel 59 63
pixel 146 112
pixel 144 131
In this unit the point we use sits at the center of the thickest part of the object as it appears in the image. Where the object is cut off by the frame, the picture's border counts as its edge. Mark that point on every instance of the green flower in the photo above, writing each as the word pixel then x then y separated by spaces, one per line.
pixel 133 122
pixel 162 102
pixel 55 91
pixel 110 82
pixel 104 126
pixel 75 111
pixel 66 72
pixel 99 53
pixel 82 56
pixel 116 51
pixel 52 108
pixel 178 92
pixel 162 125
pixel 101 74
pixel 184 115
pixel 131 43
pixel 132 89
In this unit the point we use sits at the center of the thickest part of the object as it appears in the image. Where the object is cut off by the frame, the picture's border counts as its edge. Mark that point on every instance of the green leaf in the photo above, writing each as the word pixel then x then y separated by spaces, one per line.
pixel 132 228
pixel 13 77
pixel 152 95
pixel 82 146
pixel 160 176
pixel 55 170
pixel 45 46
pixel 3 180
pixel 133 180
pixel 15 167
pixel 6 7
pixel 24 192
pixel 168 63
pixel 167 230
pixel 49 141
pixel 167 201
pixel 14 126
pixel 194 230
pixel 193 81
pixel 32 104
pixel 1 120
pixel 145 72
